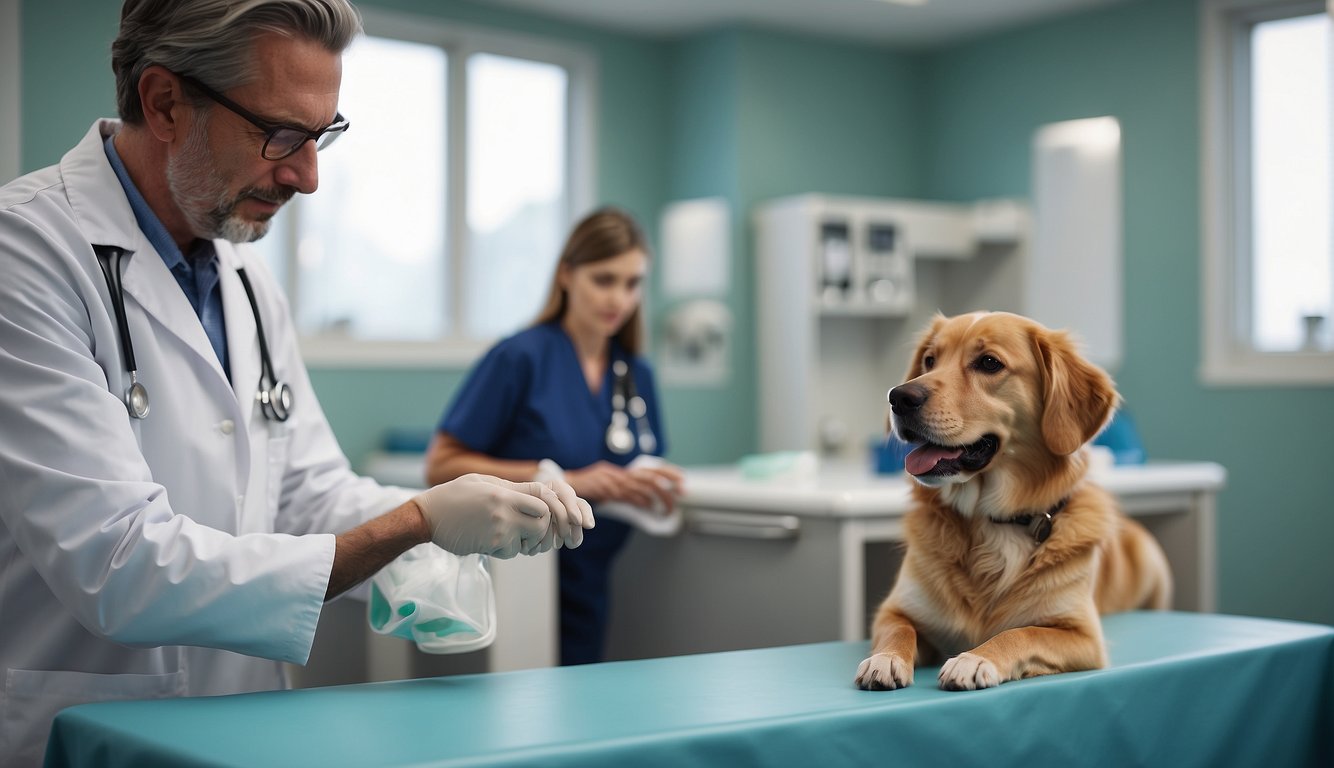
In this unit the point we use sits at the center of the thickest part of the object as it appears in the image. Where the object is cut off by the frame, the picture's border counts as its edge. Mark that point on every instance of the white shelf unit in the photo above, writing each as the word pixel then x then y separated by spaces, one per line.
pixel 843 287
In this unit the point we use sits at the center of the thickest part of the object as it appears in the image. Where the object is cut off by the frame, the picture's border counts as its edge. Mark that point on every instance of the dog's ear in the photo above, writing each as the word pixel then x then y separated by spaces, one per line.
pixel 915 364
pixel 1078 396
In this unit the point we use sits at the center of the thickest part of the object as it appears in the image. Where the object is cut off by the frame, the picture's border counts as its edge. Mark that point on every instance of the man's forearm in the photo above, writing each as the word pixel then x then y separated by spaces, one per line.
pixel 362 551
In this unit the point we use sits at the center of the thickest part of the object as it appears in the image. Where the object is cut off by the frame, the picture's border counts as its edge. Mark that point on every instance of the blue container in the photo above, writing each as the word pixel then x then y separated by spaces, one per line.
pixel 1122 439
pixel 407 439
pixel 887 455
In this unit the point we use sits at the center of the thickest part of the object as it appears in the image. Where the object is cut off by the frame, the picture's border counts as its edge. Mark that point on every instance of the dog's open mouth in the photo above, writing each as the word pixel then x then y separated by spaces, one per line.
pixel 931 460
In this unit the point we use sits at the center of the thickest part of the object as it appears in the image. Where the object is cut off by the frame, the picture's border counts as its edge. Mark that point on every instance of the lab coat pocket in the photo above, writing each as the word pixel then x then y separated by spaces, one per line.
pixel 33 697
pixel 280 446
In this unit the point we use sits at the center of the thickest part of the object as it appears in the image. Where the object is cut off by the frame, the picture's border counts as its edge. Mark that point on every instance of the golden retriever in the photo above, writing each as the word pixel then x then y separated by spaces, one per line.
pixel 1012 553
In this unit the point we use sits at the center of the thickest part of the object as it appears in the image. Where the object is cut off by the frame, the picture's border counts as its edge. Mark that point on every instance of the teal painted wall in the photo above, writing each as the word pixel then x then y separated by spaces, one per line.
pixel 824 116
pixel 66 81
pixel 708 424
pixel 752 114
pixel 1139 63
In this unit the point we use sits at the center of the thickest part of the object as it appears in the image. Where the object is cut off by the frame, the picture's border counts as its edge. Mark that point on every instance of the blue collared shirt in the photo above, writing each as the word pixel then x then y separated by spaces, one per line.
pixel 197 275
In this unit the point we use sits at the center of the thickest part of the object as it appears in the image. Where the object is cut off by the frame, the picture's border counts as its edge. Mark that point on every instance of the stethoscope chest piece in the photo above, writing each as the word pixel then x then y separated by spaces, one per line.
pixel 136 397
pixel 619 438
pixel 276 402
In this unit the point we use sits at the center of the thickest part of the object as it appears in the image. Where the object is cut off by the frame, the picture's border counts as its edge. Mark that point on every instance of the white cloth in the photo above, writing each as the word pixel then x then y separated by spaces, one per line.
pixel 656 521
pixel 441 601
pixel 161 557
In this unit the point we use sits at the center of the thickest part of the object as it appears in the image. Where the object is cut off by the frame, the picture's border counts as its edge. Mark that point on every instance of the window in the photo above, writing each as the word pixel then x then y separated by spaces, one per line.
pixel 516 177
pixel 1268 192
pixel 441 213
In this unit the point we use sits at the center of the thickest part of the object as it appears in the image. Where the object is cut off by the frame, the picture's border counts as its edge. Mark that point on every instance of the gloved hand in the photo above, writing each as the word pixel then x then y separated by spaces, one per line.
pixel 564 530
pixel 484 514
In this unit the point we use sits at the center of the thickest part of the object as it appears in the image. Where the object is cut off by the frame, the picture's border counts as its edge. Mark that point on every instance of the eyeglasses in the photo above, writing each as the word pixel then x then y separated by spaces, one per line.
pixel 280 141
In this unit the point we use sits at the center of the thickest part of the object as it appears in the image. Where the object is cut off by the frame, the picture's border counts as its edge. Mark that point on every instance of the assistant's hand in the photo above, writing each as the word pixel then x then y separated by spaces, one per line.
pixel 640 486
pixel 484 514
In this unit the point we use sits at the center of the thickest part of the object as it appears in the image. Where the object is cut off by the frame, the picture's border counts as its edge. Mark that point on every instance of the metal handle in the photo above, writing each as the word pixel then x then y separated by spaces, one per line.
pixel 744 526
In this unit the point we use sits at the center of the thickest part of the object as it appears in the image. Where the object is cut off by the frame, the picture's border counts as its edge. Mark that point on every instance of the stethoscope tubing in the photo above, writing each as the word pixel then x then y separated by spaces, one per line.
pixel 108 257
pixel 626 403
pixel 275 401
pixel 136 395
pixel 274 396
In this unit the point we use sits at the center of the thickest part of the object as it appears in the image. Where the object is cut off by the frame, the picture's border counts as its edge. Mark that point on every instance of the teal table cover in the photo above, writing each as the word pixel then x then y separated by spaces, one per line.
pixel 1182 690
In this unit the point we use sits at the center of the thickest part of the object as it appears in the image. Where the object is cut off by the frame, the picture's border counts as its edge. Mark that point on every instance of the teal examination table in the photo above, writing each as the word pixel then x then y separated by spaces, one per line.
pixel 1183 690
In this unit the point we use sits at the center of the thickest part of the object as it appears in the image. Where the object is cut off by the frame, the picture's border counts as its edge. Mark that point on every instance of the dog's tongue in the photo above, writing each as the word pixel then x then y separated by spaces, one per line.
pixel 924 458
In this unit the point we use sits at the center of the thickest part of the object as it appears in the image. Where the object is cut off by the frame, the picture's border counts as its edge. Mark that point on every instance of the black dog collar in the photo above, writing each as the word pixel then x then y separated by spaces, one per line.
pixel 1039 524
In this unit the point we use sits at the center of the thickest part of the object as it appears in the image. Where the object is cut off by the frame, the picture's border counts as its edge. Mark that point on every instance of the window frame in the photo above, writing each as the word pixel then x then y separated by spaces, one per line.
pixel 1229 357
pixel 459 41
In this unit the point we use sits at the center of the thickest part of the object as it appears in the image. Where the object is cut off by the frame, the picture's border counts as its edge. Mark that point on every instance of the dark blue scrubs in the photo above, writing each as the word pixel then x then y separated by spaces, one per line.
pixel 527 399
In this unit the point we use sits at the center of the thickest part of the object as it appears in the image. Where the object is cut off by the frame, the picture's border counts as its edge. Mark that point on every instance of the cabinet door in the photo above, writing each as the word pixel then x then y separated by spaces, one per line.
pixel 743 581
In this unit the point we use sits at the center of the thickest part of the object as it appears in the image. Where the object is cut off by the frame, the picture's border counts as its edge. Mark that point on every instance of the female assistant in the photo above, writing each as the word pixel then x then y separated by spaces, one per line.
pixel 571 396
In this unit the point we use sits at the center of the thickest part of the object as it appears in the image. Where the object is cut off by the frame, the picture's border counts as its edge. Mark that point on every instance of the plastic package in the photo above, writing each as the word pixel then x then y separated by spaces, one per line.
pixel 781 467
pixel 441 601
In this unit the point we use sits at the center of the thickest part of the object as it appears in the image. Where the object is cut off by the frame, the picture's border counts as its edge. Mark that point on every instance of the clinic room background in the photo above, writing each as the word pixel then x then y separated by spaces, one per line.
pixel 748 114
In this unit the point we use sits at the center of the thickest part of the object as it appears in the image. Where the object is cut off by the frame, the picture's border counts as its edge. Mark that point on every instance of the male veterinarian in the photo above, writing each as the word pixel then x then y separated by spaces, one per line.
pixel 175 509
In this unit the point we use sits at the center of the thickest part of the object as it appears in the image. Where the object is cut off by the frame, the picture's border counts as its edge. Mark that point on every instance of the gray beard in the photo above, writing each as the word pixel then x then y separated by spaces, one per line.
pixel 201 194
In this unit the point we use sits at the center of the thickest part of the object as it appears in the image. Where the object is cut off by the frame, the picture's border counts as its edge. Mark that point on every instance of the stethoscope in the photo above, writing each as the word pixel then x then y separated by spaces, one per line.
pixel 625 405
pixel 274 396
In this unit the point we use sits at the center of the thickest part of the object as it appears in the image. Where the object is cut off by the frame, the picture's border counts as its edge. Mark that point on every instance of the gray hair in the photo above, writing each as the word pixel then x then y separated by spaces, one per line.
pixel 212 39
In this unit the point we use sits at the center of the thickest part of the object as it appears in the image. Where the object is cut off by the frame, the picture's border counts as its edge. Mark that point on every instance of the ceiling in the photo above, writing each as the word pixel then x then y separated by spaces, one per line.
pixel 900 23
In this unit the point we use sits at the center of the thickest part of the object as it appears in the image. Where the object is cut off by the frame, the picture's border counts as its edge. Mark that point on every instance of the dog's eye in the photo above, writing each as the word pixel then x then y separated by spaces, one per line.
pixel 988 364
pixel 929 362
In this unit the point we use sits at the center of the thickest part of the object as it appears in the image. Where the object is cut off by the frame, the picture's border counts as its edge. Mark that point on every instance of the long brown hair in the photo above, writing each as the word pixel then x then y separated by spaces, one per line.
pixel 604 234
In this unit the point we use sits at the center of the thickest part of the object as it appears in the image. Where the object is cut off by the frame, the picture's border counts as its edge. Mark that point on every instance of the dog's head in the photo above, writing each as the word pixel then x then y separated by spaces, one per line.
pixel 992 388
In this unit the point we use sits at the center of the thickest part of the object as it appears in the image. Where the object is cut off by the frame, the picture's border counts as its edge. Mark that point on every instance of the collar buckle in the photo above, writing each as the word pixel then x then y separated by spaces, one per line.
pixel 1039 524
pixel 1040 527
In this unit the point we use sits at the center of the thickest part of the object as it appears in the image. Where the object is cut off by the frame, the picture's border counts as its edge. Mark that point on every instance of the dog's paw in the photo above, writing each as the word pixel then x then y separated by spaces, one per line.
pixel 884 672
pixel 969 672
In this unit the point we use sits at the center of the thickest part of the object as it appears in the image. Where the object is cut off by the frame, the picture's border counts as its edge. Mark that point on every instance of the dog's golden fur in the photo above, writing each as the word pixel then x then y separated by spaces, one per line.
pixel 976 591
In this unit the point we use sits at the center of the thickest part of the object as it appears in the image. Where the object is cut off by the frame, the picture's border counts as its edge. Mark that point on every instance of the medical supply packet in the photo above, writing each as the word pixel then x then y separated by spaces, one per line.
pixel 443 602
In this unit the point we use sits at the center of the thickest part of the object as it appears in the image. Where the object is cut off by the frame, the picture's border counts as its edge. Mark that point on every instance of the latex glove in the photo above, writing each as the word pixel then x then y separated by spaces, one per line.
pixel 566 530
pixel 487 515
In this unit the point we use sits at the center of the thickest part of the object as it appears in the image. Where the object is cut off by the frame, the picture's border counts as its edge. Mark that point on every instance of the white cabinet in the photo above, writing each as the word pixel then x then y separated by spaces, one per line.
pixel 844 285
pixel 761 564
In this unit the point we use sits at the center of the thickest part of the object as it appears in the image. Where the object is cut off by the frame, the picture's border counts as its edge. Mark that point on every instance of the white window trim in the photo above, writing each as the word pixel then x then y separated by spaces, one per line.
pixel 460 41
pixel 1228 358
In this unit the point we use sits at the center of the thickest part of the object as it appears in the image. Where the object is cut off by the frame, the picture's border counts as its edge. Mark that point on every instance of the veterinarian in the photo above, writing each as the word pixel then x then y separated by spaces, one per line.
pixel 571 397
pixel 175 510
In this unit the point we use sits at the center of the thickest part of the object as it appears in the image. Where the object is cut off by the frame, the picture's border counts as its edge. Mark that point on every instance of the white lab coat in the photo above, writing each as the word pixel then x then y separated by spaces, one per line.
pixel 184 554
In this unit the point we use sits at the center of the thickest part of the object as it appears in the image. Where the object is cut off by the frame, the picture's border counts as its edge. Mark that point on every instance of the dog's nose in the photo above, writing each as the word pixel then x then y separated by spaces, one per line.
pixel 906 398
